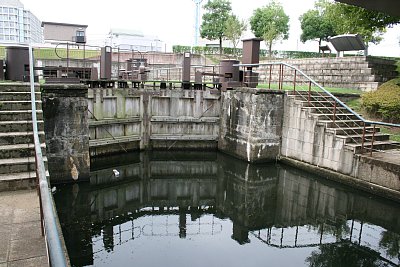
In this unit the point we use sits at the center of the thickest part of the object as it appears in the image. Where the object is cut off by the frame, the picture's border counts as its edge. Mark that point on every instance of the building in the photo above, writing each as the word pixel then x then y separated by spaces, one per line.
pixel 55 32
pixel 18 25
pixel 134 40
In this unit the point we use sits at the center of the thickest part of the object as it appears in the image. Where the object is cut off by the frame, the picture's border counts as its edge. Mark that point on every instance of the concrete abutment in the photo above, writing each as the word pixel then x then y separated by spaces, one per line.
pixel 66 127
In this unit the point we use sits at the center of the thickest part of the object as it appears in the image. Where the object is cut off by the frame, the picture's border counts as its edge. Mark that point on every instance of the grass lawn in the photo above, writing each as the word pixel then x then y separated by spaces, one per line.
pixel 394 132
pixel 332 90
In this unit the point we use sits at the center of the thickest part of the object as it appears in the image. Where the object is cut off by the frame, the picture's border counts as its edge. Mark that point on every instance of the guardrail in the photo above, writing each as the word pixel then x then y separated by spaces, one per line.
pixel 47 212
pixel 295 77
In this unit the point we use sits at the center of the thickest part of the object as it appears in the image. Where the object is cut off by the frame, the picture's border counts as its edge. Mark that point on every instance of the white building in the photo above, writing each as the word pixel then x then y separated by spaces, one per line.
pixel 18 25
pixel 129 39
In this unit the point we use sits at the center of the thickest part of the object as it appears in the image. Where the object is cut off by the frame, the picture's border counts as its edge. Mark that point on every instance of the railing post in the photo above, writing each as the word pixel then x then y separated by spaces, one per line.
pixel 363 139
pixel 270 76
pixel 279 76
pixel 373 139
pixel 309 92
pixel 334 111
pixel 294 81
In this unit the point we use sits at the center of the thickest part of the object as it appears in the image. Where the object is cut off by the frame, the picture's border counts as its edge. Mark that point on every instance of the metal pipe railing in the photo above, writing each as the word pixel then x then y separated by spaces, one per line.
pixel 360 121
pixel 323 89
pixel 52 236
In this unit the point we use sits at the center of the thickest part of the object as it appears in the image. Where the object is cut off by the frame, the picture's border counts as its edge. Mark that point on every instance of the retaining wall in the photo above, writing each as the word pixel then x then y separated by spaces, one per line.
pixel 360 72
pixel 306 140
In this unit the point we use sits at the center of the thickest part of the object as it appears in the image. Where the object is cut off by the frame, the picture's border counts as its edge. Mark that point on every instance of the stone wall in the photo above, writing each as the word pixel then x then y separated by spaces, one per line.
pixel 125 119
pixel 306 140
pixel 364 73
pixel 251 124
pixel 67 132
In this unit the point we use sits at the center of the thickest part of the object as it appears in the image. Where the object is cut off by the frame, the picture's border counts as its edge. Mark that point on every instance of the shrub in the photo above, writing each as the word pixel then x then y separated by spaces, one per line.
pixel 384 102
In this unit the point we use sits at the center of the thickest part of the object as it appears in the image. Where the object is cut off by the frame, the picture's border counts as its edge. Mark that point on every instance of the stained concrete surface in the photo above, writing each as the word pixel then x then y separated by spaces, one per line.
pixel 21 242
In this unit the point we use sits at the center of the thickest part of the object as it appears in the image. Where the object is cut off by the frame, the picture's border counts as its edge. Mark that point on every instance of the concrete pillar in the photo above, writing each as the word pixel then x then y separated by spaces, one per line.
pixel 251 124
pixel 65 112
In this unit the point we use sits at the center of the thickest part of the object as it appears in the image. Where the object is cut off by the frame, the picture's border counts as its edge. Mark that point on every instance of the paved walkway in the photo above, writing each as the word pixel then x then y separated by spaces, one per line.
pixel 21 242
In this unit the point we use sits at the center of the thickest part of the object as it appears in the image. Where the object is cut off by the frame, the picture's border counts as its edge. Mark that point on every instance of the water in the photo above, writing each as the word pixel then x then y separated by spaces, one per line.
pixel 208 209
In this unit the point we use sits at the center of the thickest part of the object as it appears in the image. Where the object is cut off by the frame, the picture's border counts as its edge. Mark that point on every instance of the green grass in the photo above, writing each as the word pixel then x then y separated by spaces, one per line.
pixel 394 133
pixel 332 90
pixel 50 53
pixel 355 104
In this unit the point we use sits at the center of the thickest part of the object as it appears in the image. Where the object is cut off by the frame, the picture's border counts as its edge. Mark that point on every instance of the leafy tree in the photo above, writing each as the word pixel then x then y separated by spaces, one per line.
pixel 213 25
pixel 391 243
pixel 351 19
pixel 315 25
pixel 270 23
pixel 234 29
pixel 344 254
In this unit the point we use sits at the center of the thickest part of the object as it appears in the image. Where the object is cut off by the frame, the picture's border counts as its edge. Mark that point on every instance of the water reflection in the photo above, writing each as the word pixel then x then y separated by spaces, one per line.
pixel 207 209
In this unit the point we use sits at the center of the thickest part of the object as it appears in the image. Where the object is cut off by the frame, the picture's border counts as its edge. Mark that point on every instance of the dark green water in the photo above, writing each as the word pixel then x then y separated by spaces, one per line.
pixel 208 209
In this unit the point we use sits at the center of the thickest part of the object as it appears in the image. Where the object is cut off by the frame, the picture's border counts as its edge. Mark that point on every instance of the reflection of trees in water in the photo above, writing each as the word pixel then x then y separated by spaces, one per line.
pixel 344 255
pixel 339 229
pixel 390 242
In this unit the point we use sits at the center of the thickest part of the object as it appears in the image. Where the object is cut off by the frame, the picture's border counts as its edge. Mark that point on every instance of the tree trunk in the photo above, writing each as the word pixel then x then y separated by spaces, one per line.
pixel 270 49
pixel 366 49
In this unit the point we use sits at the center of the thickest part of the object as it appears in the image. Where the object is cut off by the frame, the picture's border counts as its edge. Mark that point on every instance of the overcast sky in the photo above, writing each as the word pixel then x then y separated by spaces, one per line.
pixel 173 20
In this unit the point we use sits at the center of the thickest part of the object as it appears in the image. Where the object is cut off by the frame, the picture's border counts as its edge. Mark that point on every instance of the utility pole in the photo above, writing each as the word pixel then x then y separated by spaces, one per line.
pixel 197 22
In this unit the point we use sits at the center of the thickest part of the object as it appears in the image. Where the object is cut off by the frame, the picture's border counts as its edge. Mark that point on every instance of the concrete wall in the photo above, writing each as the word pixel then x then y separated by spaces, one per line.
pixel 67 132
pixel 142 119
pixel 308 141
pixel 251 124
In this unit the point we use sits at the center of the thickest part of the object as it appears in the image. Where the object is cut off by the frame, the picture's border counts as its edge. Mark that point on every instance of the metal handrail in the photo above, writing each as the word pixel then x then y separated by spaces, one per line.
pixel 323 89
pixel 48 213
pixel 362 123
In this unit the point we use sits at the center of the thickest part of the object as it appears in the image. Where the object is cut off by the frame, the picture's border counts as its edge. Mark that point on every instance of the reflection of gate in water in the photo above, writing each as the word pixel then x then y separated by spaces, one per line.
pixel 164 226
pixel 363 235
pixel 167 225
pixel 125 233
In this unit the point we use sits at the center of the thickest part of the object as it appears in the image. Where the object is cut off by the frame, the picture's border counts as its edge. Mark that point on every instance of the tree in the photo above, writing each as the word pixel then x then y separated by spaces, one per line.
pixel 351 19
pixel 234 29
pixel 270 23
pixel 315 25
pixel 344 254
pixel 213 25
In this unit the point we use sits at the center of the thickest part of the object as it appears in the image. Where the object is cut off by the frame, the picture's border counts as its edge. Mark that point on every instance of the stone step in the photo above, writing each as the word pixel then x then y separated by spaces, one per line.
pixel 314 98
pixel 20 96
pixel 305 103
pixel 338 117
pixel 357 138
pixel 19 126
pixel 13 138
pixel 18 181
pixel 305 92
pixel 16 115
pixel 16 165
pixel 352 130
pixel 19 151
pixel 378 145
pixel 19 105
pixel 341 123
pixel 17 87
pixel 325 110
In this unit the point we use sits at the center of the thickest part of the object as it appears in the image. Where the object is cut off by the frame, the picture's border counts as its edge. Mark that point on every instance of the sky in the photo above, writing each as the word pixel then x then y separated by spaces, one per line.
pixel 173 20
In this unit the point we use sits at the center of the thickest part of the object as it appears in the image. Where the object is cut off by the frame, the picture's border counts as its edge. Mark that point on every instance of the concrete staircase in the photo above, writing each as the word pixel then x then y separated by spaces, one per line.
pixel 17 153
pixel 344 124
